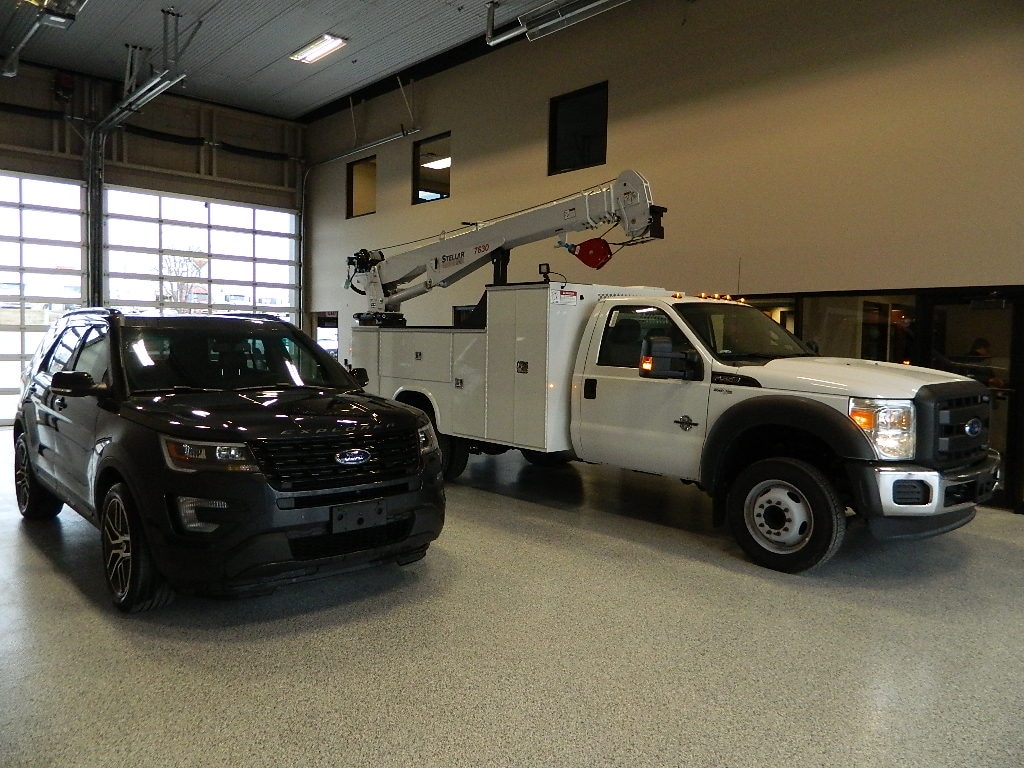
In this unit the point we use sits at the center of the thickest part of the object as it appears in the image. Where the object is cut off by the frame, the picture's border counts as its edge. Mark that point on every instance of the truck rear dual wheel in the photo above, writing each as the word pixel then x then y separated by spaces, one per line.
pixel 785 514
pixel 454 455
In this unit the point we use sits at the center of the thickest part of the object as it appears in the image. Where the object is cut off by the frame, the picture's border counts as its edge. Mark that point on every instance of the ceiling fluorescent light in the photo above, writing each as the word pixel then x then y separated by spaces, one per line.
pixel 318 48
pixel 559 14
pixel 440 164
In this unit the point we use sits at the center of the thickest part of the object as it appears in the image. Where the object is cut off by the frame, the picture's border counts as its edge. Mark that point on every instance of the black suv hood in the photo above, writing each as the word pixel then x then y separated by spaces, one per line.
pixel 251 415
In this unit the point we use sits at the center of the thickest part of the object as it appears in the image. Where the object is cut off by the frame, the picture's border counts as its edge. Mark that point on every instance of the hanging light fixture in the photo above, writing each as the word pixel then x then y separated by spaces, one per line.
pixel 547 18
pixel 317 49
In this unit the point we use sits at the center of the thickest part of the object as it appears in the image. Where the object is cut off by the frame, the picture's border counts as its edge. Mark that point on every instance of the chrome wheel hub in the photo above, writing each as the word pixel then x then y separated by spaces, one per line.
pixel 778 516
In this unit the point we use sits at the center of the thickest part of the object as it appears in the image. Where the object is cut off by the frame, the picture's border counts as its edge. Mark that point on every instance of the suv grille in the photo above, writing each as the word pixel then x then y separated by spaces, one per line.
pixel 311 464
pixel 953 426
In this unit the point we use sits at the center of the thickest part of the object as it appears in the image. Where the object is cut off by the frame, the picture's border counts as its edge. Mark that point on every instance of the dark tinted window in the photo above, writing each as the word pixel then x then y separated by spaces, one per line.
pixel 234 358
pixel 63 350
pixel 578 129
pixel 94 355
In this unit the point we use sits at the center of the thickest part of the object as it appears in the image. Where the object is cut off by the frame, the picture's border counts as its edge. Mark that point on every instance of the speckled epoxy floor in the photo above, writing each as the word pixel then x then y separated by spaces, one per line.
pixel 576 617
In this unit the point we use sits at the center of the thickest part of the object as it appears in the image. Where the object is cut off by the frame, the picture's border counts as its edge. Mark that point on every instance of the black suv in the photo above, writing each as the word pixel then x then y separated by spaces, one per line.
pixel 219 454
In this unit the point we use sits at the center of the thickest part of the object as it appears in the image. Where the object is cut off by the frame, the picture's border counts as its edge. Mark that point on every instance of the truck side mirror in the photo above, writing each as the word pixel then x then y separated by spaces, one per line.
pixel 74 384
pixel 658 361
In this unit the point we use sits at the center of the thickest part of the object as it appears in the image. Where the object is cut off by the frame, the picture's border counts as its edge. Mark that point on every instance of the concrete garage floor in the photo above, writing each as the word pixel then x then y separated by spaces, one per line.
pixel 575 617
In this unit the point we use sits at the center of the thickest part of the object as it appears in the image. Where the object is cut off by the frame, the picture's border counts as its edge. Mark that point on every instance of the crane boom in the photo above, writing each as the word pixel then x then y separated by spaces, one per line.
pixel 387 282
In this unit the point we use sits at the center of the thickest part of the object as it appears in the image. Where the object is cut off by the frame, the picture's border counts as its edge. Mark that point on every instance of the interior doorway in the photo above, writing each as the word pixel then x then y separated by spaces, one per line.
pixel 975 335
pixel 325 325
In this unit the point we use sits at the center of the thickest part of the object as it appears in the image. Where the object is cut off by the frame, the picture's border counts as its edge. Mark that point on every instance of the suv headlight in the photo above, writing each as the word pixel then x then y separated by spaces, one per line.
pixel 427 438
pixel 889 424
pixel 196 456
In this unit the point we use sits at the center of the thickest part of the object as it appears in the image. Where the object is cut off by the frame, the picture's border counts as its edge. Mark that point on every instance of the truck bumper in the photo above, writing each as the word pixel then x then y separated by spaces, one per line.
pixel 910 502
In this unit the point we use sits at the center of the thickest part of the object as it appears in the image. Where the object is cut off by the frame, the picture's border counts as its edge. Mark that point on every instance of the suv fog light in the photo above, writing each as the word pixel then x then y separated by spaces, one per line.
pixel 189 508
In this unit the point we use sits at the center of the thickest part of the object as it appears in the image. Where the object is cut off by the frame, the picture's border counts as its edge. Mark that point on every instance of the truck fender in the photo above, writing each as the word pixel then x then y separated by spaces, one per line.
pixel 421 399
pixel 784 412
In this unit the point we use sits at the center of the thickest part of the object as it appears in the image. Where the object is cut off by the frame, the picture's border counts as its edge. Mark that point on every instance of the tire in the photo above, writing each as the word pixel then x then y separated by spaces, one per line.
pixel 454 455
pixel 132 578
pixel 34 501
pixel 785 515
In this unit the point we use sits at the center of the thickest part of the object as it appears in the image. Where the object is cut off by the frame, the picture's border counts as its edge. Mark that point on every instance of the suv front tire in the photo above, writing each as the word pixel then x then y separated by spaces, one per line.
pixel 132 578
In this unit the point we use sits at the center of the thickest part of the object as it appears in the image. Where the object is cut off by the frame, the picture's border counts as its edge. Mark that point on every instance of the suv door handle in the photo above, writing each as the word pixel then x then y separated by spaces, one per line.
pixel 60 404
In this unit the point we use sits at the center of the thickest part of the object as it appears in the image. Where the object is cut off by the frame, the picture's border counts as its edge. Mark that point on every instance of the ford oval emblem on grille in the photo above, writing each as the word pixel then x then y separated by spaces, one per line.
pixel 352 457
pixel 974 427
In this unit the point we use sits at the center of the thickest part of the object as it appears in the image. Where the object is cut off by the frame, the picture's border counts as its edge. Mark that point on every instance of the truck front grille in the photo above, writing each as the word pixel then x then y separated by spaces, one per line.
pixel 953 425
pixel 315 463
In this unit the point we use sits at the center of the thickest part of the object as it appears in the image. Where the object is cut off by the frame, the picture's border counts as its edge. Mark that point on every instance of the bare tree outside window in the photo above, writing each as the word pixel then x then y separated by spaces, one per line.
pixel 180 282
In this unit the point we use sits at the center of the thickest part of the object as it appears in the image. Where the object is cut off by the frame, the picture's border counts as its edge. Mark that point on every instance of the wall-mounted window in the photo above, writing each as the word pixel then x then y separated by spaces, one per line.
pixel 578 129
pixel 362 187
pixel 432 169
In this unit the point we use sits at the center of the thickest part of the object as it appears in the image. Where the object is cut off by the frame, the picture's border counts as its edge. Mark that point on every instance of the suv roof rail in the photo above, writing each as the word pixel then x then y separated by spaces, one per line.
pixel 252 316
pixel 105 311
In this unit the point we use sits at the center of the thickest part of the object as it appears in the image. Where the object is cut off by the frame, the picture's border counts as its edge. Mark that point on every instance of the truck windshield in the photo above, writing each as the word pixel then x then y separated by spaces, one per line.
pixel 739 333
pixel 192 358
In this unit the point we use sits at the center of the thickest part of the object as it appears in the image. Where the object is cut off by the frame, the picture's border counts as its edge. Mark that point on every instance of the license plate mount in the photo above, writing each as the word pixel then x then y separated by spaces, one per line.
pixel 354 517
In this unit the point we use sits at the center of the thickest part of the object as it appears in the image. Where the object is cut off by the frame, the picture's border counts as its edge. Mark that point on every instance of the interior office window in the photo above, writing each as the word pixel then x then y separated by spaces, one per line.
pixel 578 129
pixel 432 169
pixel 362 187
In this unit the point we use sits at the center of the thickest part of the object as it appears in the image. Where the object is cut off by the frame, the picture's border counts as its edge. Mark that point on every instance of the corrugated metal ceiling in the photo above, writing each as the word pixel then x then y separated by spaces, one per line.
pixel 237 50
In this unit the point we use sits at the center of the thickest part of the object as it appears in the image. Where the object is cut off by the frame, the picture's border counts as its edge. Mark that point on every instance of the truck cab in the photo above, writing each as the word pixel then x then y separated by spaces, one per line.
pixel 716 393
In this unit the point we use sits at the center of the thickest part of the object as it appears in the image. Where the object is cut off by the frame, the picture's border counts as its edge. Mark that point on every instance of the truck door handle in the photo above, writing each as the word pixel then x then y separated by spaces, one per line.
pixel 590 389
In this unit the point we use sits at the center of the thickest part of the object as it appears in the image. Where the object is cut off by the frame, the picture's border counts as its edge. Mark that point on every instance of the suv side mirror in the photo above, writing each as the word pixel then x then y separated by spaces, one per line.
pixel 360 375
pixel 74 384
pixel 658 361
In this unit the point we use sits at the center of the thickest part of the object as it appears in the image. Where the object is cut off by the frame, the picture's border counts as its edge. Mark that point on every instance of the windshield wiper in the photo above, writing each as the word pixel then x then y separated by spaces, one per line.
pixel 174 388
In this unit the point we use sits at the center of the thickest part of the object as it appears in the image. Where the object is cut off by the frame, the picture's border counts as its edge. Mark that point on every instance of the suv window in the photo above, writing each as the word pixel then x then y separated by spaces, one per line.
pixel 64 349
pixel 158 358
pixel 94 356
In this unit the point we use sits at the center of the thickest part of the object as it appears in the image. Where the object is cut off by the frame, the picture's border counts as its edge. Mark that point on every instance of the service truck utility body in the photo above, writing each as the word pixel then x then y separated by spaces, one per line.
pixel 788 443
pixel 533 333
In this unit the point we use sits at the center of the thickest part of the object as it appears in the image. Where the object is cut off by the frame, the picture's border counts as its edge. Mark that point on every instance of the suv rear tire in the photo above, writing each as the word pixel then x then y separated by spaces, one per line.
pixel 132 578
pixel 34 501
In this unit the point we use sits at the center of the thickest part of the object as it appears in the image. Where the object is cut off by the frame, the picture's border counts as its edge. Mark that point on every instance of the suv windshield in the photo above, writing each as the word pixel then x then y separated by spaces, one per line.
pixel 194 357
pixel 739 332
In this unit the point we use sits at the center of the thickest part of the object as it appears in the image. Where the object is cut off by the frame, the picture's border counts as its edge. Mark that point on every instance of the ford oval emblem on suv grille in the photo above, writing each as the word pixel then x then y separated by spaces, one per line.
pixel 352 457
pixel 974 427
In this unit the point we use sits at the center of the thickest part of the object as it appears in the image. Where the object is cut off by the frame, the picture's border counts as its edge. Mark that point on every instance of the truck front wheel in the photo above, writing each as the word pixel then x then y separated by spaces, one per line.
pixel 785 514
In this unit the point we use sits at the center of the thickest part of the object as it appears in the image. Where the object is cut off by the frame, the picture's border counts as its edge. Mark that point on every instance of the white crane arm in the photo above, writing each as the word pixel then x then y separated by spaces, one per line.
pixel 387 282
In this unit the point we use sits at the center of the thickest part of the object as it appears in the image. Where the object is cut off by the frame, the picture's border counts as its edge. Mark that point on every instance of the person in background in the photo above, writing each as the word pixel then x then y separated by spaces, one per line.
pixel 979 360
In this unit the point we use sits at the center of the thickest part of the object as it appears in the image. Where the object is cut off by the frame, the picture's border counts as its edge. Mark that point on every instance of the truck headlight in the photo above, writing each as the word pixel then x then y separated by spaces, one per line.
pixel 427 438
pixel 889 424
pixel 196 456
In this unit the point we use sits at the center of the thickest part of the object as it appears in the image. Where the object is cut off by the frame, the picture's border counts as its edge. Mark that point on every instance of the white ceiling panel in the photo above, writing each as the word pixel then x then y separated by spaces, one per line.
pixel 235 52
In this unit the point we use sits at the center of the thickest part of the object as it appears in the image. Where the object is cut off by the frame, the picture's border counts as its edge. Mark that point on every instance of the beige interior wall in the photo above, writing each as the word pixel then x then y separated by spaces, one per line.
pixel 798 145
pixel 54 146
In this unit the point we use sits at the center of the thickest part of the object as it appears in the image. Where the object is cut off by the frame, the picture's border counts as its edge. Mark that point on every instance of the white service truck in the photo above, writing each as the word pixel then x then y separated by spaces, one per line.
pixel 712 391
